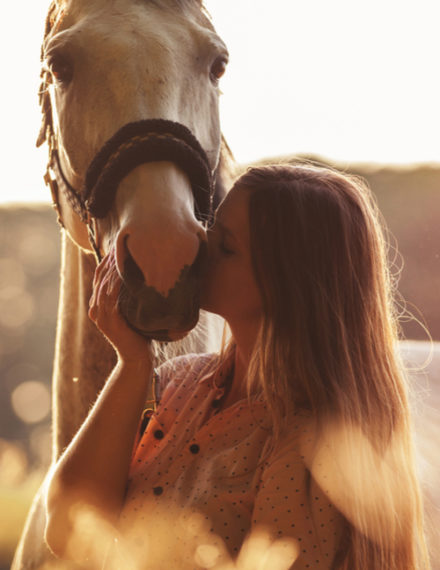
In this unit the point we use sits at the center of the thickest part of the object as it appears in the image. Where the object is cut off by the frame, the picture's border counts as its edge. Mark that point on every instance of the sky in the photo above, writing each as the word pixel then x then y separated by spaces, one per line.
pixel 350 80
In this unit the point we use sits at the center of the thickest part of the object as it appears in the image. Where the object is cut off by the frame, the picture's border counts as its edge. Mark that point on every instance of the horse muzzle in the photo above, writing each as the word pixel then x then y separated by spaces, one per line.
pixel 159 317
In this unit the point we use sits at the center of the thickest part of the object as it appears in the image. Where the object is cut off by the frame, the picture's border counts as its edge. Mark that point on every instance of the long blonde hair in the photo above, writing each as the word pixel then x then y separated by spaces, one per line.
pixel 327 345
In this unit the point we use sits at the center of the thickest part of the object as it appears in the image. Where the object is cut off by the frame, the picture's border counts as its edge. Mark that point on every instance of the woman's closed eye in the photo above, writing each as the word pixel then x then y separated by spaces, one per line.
pixel 222 239
pixel 225 248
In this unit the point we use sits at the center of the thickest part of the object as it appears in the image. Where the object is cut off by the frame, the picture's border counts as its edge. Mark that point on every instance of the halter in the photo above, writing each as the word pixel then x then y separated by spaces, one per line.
pixel 136 143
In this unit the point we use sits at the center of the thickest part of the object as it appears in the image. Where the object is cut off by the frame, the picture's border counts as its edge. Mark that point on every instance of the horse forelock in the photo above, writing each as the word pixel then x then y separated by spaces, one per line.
pixel 182 5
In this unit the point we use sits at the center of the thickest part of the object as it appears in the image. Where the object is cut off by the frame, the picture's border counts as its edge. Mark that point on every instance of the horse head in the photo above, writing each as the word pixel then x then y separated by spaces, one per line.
pixel 130 111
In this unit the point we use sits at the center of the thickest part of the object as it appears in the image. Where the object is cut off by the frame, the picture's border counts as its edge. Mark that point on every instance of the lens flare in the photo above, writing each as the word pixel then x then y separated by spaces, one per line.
pixel 175 539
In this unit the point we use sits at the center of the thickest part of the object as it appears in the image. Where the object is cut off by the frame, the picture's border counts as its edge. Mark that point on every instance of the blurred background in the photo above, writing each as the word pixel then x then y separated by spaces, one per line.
pixel 348 82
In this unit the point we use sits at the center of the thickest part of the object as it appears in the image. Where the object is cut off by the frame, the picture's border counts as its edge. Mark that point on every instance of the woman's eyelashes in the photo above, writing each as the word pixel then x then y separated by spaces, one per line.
pixel 225 249
pixel 221 240
pixel 225 241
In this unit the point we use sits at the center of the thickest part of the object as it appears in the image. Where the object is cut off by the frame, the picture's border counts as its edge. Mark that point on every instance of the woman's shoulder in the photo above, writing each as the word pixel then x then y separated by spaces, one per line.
pixel 187 367
pixel 185 363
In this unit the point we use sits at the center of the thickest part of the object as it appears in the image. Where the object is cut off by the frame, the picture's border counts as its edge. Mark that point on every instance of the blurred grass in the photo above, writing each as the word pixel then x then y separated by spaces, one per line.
pixel 14 505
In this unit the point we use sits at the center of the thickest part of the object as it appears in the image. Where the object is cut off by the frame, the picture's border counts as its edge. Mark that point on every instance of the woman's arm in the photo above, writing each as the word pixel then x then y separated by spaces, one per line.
pixel 91 475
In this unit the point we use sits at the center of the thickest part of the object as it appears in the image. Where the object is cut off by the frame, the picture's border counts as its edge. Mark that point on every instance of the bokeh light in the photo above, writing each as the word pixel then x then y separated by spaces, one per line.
pixel 41 443
pixel 13 463
pixel 16 310
pixel 31 401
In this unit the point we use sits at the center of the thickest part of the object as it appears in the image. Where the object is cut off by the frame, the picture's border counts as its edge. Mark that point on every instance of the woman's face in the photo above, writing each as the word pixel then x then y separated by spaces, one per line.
pixel 229 288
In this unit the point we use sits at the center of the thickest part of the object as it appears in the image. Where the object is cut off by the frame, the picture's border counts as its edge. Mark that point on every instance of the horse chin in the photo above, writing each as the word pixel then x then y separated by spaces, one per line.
pixel 148 319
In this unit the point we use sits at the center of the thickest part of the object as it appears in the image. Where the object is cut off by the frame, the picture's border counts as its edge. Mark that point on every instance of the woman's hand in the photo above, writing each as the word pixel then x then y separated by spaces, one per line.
pixel 104 312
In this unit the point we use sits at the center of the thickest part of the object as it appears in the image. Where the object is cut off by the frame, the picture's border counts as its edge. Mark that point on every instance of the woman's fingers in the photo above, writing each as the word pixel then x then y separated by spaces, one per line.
pixel 106 286
pixel 104 312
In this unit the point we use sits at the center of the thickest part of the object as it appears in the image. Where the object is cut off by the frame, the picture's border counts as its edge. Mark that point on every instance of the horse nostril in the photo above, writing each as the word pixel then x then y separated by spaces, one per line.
pixel 200 261
pixel 132 272
pixel 133 275
pixel 128 268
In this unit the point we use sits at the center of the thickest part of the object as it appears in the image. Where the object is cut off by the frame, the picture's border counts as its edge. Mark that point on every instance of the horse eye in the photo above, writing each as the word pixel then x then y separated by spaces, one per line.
pixel 60 68
pixel 218 68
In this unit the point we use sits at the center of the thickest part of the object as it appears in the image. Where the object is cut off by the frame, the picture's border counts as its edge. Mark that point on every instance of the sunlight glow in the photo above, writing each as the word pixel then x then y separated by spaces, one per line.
pixel 348 80
pixel 92 535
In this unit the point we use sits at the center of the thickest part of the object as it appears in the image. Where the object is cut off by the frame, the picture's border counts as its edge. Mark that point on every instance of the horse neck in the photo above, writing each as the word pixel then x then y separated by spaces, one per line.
pixel 83 357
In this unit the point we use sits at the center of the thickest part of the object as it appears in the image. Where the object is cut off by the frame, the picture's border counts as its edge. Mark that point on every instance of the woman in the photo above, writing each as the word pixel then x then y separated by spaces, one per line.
pixel 299 427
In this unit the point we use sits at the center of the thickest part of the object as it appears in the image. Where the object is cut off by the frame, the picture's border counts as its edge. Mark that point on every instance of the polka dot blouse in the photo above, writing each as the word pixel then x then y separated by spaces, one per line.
pixel 202 476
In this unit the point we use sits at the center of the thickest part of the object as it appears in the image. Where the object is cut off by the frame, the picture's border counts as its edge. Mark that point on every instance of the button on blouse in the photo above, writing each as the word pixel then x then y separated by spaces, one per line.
pixel 158 434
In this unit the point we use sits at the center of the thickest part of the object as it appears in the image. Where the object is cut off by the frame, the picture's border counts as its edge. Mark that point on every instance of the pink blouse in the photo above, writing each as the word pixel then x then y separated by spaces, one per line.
pixel 202 479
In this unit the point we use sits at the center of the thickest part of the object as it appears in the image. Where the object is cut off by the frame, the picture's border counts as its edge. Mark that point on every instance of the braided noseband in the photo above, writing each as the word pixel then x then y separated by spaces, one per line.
pixel 147 141
pixel 134 144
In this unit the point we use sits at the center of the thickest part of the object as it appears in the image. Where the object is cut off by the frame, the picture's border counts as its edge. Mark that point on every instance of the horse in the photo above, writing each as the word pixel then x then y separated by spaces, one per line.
pixel 129 100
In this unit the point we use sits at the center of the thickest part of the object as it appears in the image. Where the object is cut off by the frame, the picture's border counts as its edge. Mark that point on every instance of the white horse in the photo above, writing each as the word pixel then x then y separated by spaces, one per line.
pixel 110 68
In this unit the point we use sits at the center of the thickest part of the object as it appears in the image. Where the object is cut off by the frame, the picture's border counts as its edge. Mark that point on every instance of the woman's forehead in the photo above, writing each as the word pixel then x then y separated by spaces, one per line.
pixel 235 205
pixel 232 215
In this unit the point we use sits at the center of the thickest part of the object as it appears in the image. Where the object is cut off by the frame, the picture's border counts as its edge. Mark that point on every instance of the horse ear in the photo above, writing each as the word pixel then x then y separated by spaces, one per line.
pixel 55 8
